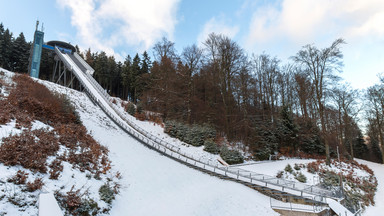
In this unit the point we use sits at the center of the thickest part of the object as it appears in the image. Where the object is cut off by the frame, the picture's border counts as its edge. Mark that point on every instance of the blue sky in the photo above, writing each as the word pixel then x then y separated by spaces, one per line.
pixel 280 27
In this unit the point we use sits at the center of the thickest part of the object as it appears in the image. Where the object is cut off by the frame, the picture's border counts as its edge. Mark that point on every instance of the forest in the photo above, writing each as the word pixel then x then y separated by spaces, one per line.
pixel 300 108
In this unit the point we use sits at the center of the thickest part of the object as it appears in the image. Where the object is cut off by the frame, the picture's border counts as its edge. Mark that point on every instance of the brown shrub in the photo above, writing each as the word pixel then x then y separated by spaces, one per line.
pixel 36 185
pixel 20 178
pixel 36 100
pixel 26 151
pixel 56 169
pixel 84 152
pixel 155 118
pixel 72 200
pixel 140 116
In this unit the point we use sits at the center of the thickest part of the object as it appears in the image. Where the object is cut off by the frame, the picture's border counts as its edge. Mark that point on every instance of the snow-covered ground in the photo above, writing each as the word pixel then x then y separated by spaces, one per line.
pixel 378 169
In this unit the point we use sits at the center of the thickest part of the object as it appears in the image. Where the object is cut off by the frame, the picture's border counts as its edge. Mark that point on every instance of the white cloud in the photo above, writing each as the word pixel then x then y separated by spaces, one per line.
pixel 306 20
pixel 108 24
pixel 218 26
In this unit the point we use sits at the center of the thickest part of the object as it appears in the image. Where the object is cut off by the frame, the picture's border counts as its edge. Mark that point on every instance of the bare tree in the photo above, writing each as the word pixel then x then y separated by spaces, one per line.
pixel 320 65
pixel 226 57
pixel 164 48
pixel 191 56
pixel 375 97
pixel 267 73
pixel 345 100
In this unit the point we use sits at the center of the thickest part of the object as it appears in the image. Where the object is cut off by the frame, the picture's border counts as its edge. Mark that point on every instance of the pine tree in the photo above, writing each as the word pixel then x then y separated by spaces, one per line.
pixel 6 49
pixel 1 44
pixel 359 147
pixel 125 81
pixel 20 54
pixel 101 69
pixel 287 130
pixel 145 63
pixel 134 77
pixel 141 82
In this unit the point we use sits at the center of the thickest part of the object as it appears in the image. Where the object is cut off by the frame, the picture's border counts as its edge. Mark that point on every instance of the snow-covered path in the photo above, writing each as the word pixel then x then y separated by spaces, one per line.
pixel 156 185
pixel 378 169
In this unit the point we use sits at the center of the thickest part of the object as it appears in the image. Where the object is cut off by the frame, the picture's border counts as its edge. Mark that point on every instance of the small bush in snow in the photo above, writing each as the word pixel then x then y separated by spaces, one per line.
pixel 231 156
pixel 131 109
pixel 36 185
pixel 56 169
pixel 211 147
pixel 20 178
pixel 288 168
pixel 297 167
pixel 301 177
pixel 329 179
pixel 280 174
pixel 87 207
pixel 106 193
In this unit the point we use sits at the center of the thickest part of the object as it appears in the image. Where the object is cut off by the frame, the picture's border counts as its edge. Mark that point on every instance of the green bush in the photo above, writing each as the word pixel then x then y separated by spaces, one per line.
pixel 106 193
pixel 131 109
pixel 231 156
pixel 297 167
pixel 211 147
pixel 329 179
pixel 194 134
pixel 88 207
pixel 288 168
pixel 301 177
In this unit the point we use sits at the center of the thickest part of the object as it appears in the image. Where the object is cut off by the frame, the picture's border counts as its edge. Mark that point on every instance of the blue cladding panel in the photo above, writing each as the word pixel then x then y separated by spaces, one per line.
pixel 36 57
pixel 45 46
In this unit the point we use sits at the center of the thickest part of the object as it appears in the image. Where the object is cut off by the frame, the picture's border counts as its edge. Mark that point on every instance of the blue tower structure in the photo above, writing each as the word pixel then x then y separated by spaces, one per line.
pixel 37 46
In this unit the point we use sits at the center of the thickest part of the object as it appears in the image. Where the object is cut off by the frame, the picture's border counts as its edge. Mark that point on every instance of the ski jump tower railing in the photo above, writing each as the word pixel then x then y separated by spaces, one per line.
pixel 83 72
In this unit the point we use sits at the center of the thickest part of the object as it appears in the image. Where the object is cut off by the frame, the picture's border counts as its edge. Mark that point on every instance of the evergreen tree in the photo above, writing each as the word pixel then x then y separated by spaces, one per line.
pixel 141 82
pixel 135 72
pixel 20 54
pixel 145 63
pixel 101 69
pixel 125 81
pixel 359 147
pixel 1 44
pixel 287 130
pixel 6 50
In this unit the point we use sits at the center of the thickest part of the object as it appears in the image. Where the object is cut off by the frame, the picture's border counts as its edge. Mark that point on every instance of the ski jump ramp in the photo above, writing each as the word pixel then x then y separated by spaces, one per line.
pixel 83 73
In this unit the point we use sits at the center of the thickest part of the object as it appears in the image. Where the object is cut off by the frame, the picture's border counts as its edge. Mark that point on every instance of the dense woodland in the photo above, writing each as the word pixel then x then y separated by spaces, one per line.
pixel 301 108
